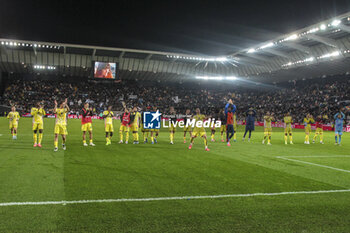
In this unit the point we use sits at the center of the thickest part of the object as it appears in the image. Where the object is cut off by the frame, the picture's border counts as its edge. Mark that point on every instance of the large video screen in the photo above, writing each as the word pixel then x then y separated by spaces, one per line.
pixel 105 70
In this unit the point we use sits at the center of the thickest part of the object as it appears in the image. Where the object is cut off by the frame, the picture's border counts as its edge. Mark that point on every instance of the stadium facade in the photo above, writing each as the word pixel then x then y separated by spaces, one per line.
pixel 318 50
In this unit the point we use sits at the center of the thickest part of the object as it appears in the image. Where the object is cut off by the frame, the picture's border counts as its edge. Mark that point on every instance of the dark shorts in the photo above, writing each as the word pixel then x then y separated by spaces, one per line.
pixel 229 129
pixel 250 127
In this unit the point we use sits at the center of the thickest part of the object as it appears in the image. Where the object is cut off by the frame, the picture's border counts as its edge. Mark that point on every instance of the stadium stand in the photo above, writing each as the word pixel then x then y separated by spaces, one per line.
pixel 315 96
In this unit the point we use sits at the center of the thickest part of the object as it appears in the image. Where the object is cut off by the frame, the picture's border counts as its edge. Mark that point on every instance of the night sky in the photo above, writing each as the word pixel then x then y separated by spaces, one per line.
pixel 201 27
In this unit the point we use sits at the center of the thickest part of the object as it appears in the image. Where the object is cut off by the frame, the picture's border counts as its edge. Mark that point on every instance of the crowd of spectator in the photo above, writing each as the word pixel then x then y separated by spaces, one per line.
pixel 315 96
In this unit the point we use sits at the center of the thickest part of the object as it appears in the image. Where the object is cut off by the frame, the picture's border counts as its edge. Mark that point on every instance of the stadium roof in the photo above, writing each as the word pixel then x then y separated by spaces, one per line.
pixel 318 50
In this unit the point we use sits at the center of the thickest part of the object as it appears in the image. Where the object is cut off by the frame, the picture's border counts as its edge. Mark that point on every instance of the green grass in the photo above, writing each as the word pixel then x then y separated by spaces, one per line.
pixel 164 170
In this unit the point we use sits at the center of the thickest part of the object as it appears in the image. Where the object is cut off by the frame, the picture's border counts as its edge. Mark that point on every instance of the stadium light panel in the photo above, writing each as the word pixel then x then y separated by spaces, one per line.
pixel 267 45
pixel 323 27
pixel 292 37
pixel 336 22
pixel 2 42
pixel 219 78
pixel 252 50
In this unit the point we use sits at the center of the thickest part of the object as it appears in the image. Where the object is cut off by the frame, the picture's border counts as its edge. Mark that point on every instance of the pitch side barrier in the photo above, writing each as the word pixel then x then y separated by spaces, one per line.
pixel 326 127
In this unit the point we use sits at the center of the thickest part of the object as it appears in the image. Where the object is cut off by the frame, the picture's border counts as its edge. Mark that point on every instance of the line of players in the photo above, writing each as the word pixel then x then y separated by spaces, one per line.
pixel 131 120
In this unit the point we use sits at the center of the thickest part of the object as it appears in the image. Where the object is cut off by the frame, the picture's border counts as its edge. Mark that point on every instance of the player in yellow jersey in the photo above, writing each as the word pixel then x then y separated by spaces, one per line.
pixel 154 132
pixel 187 128
pixel 268 118
pixel 61 123
pixel 13 116
pixel 135 119
pixel 145 132
pixel 199 129
pixel 288 128
pixel 38 113
pixel 222 118
pixel 235 127
pixel 172 121
pixel 320 121
pixel 108 117
pixel 308 120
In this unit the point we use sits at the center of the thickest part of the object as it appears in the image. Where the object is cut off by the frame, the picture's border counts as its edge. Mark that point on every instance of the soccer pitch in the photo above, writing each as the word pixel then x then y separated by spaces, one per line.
pixel 168 188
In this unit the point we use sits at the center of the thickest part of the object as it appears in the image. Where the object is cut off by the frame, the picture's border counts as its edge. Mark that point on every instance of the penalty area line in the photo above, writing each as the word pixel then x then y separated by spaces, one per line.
pixel 169 198
pixel 313 164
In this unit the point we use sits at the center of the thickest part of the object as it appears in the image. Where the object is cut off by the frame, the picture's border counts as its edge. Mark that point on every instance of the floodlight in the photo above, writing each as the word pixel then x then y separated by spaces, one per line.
pixel 252 50
pixel 336 22
pixel 267 45
pixel 323 27
pixel 292 37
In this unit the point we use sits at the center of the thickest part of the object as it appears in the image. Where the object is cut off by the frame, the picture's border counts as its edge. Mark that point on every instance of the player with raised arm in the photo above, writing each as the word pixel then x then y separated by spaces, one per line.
pixel 249 123
pixel 268 118
pixel 86 123
pixel 199 129
pixel 288 128
pixel 61 123
pixel 320 120
pixel 38 113
pixel 338 126
pixel 13 117
pixel 154 132
pixel 135 119
pixel 108 118
pixel 230 110
pixel 124 126
pixel 187 128
pixel 308 120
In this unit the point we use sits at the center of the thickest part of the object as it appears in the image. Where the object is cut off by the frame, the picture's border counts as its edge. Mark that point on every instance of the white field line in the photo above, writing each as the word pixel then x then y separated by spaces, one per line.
pixel 315 156
pixel 314 164
pixel 168 198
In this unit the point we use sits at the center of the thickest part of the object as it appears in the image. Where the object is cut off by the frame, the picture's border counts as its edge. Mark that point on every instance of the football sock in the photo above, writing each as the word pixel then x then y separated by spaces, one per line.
pixel 90 140
pixel 336 139
pixel 121 135
pixel 285 138
pixel 40 138
pixel 339 139
pixel 84 141
pixel 290 138
pixel 171 137
pixel 55 144
pixel 35 136
pixel 212 136
pixel 269 140
pixel 127 136
pixel 321 137
pixel 152 138
pixel 205 142
pixel 315 137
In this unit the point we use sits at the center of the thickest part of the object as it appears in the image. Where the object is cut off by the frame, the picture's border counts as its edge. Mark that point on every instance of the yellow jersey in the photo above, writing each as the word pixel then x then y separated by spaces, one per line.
pixel 13 117
pixel 199 117
pixel 38 115
pixel 287 121
pixel 308 121
pixel 267 121
pixel 109 117
pixel 61 116
pixel 137 118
